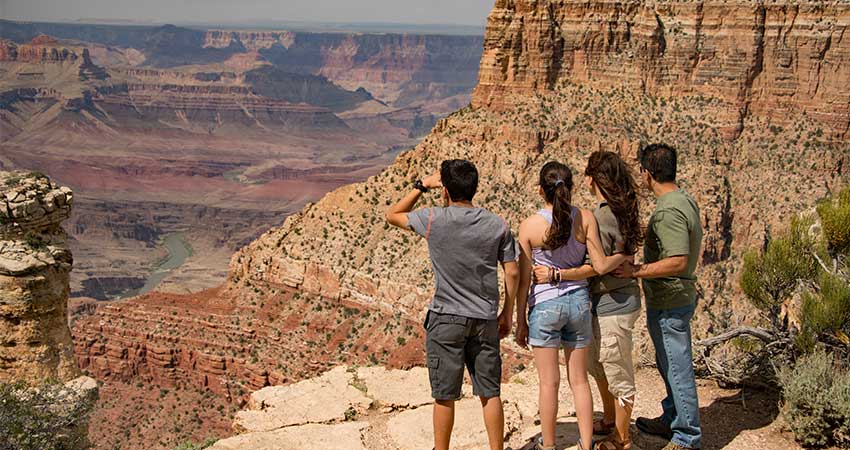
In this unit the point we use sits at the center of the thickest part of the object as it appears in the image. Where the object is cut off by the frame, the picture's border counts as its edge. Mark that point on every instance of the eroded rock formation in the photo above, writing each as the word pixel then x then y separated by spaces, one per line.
pixel 761 58
pixel 35 263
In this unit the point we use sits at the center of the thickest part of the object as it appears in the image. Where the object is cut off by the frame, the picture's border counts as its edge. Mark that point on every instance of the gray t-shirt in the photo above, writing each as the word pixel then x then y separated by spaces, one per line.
pixel 610 295
pixel 466 246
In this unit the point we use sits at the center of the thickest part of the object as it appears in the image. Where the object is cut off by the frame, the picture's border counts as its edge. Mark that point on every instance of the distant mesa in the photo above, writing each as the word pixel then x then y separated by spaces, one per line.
pixel 44 39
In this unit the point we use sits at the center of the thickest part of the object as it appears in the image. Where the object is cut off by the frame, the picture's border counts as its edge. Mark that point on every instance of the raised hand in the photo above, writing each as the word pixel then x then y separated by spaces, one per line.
pixel 432 181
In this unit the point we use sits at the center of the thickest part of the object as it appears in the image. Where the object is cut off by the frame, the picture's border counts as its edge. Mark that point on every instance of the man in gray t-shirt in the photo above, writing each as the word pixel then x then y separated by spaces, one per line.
pixel 466 244
pixel 463 327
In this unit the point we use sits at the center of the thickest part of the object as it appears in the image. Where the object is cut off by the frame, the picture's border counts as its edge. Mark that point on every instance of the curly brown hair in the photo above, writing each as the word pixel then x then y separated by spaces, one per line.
pixel 614 180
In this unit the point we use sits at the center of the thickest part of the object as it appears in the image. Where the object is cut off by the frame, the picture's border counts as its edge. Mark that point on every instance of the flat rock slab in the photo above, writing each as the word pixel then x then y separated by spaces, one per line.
pixel 341 436
pixel 328 398
pixel 566 435
pixel 412 430
pixel 396 389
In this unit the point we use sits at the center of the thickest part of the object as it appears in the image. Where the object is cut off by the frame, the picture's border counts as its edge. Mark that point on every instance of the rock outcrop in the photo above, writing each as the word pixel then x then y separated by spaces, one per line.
pixel 35 263
pixel 364 408
pixel 35 341
pixel 250 40
pixel 365 415
pixel 46 50
pixel 761 58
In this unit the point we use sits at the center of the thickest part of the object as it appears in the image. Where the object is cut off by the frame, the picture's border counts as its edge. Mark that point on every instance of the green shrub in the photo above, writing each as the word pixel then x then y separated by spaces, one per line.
pixel 35 242
pixel 827 311
pixel 816 400
pixel 835 217
pixel 769 278
pixel 50 417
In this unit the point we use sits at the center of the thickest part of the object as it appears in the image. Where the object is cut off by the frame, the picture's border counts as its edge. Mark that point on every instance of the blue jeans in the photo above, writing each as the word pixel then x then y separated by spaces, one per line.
pixel 670 331
pixel 564 321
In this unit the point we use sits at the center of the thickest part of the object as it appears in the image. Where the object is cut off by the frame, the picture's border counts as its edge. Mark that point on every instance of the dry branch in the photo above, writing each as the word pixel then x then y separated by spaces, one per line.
pixel 760 333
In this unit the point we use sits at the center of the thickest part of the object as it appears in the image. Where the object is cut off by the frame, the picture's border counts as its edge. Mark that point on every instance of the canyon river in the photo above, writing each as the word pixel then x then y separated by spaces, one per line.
pixel 178 251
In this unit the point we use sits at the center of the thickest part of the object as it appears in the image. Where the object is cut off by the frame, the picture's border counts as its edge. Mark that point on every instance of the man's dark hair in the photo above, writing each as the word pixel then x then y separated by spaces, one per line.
pixel 660 161
pixel 460 178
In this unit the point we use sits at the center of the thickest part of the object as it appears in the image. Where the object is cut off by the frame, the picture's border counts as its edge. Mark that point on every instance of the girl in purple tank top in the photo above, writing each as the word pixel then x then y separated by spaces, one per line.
pixel 560 237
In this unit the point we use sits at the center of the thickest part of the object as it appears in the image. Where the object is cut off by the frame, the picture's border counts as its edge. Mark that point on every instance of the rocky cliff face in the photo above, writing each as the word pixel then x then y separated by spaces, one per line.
pixel 249 40
pixel 398 69
pixel 46 50
pixel 35 263
pixel 760 58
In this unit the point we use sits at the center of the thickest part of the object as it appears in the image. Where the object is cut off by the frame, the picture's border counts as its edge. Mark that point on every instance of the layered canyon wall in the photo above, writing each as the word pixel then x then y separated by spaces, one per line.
pixel 763 58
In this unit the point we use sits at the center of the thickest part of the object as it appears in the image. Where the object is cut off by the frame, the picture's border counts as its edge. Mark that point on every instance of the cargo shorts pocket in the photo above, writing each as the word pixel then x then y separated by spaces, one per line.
pixel 434 372
pixel 609 349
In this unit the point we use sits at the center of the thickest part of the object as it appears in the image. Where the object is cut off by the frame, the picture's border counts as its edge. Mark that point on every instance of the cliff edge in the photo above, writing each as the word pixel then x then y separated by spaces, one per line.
pixel 35 263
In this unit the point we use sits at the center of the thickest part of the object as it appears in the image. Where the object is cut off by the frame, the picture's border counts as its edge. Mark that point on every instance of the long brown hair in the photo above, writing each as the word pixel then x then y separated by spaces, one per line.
pixel 556 179
pixel 616 183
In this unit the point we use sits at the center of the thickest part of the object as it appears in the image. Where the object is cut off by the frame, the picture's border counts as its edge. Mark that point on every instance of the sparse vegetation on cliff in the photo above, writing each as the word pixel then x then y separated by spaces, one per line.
pixel 801 283
pixel 49 417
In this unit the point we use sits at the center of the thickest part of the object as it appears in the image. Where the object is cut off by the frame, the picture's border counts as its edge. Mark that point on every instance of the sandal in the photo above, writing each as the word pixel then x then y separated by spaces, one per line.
pixel 538 445
pixel 612 442
pixel 601 427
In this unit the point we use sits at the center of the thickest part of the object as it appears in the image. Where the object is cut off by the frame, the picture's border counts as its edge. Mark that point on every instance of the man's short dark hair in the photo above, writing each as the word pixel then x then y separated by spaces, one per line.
pixel 460 178
pixel 660 161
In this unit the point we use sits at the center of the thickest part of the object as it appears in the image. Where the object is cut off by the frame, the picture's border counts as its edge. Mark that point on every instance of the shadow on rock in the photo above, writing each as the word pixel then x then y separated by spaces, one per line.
pixel 724 419
pixel 566 436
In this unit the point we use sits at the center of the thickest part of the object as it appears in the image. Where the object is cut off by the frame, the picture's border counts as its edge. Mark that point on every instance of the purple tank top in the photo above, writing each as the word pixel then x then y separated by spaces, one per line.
pixel 570 255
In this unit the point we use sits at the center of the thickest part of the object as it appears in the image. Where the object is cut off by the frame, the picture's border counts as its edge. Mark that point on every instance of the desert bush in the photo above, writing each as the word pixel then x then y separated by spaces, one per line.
pixel 826 312
pixel 196 446
pixel 50 417
pixel 770 277
pixel 816 405
pixel 810 260
pixel 835 218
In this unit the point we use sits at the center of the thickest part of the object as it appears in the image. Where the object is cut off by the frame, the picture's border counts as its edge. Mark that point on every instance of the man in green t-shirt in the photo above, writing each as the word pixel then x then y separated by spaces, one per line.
pixel 671 252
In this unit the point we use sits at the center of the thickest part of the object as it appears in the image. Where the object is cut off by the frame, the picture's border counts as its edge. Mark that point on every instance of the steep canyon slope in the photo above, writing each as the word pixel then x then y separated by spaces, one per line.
pixel 558 80
pixel 212 136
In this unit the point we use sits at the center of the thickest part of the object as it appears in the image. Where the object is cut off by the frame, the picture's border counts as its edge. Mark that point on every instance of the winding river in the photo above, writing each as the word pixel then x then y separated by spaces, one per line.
pixel 178 251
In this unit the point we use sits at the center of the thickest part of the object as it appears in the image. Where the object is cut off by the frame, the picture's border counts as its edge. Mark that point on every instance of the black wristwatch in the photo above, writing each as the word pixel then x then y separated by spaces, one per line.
pixel 418 185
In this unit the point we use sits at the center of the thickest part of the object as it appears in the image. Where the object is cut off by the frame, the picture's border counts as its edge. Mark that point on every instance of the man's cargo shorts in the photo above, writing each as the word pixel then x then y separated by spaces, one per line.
pixel 454 341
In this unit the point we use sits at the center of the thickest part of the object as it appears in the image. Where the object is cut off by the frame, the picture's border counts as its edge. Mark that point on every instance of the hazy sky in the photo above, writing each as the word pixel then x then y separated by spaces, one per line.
pixel 466 12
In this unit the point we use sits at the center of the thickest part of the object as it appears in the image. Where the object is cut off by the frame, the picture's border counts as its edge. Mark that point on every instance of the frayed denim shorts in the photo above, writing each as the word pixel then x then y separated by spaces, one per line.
pixel 562 321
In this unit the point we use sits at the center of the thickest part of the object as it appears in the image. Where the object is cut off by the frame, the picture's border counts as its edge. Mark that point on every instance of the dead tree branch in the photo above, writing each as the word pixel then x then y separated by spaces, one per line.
pixel 764 335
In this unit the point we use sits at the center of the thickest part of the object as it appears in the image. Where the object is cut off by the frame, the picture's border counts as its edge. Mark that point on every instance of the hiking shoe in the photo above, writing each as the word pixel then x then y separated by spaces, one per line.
pixel 672 446
pixel 655 426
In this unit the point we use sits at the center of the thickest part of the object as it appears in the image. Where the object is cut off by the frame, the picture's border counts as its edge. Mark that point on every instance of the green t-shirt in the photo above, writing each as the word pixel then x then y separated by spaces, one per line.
pixel 674 230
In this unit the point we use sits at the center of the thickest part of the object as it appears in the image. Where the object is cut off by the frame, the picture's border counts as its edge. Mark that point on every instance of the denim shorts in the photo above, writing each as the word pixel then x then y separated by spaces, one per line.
pixel 565 320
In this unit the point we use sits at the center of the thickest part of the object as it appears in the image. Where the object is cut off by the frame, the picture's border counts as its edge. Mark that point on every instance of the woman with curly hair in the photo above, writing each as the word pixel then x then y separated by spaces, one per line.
pixel 616 301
